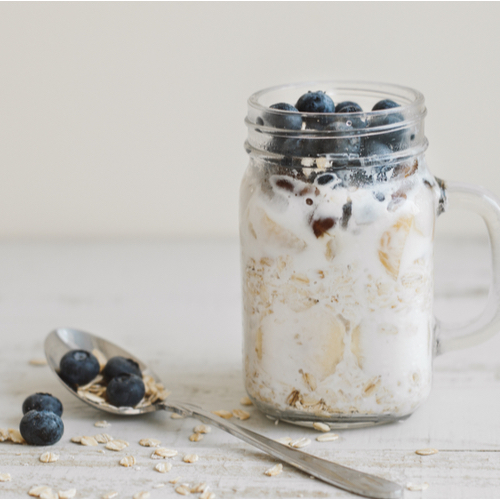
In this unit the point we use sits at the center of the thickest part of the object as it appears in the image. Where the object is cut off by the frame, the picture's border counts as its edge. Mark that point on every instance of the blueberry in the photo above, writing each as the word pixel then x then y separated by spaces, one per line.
pixel 119 365
pixel 315 102
pixel 125 390
pixel 325 179
pixel 379 196
pixel 385 104
pixel 286 121
pixel 375 148
pixel 41 428
pixel 42 401
pixel 395 139
pixel 346 142
pixel 78 367
pixel 348 107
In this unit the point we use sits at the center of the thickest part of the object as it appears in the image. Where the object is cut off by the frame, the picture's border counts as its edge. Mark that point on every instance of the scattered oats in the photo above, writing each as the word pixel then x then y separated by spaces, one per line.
pixel 207 495
pixel 110 494
pixel 417 487
pixel 274 471
pixel 116 445
pixel 183 489
pixel 91 397
pixel 196 437
pixel 128 461
pixel 15 436
pixel 320 426
pixel 149 442
pixel 327 437
pixel 100 357
pixel 176 416
pixel 142 494
pixel 163 453
pixel 48 457
pixel 223 414
pixel 76 439
pixel 190 459
pixel 67 493
pixel 102 423
pixel 38 361
pixel 103 438
pixel 36 490
pixel 101 451
pixel 300 443
pixel 202 429
pixel 88 441
pixel 163 467
pixel 199 488
pixel 246 401
pixel 48 493
pixel 427 451
pixel 4 435
pixel 284 440
pixel 159 485
pixel 5 477
pixel 241 414
pixel 175 480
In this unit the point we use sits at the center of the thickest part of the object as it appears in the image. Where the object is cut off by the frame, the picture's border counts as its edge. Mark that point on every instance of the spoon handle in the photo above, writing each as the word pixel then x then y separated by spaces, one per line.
pixel 343 477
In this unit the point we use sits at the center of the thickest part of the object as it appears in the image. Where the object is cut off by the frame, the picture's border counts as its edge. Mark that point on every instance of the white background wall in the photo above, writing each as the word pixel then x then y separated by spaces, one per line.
pixel 126 119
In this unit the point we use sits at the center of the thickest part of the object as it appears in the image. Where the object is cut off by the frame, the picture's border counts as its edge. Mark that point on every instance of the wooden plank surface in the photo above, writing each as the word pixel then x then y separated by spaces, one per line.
pixel 177 306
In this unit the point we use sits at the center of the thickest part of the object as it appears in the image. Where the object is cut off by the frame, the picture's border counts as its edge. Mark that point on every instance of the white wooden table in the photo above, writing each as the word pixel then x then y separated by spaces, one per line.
pixel 177 306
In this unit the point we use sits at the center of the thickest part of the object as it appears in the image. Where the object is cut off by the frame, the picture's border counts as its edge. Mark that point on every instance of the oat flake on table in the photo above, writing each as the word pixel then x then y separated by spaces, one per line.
pixel 284 440
pixel 196 437
pixel 102 423
pixel 127 461
pixel 38 362
pixel 417 486
pixel 199 488
pixel 190 459
pixel 300 443
pixel 5 477
pixel 241 414
pixel 48 493
pixel 175 480
pixel 142 494
pixel 246 401
pixel 163 467
pixel 223 414
pixel 110 494
pixel 274 471
pixel 202 429
pixel 49 457
pixel 163 453
pixel 4 435
pixel 427 451
pixel 36 490
pixel 207 495
pixel 116 445
pixel 67 493
pixel 327 437
pixel 183 489
pixel 103 438
pixel 320 426
pixel 88 441
pixel 15 436
pixel 150 442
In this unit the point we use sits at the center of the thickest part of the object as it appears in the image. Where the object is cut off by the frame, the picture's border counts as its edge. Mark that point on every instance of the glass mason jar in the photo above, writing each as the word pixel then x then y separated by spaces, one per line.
pixel 337 217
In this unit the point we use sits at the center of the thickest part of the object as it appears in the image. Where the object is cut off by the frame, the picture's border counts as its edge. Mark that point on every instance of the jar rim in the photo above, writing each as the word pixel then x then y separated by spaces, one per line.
pixel 413 101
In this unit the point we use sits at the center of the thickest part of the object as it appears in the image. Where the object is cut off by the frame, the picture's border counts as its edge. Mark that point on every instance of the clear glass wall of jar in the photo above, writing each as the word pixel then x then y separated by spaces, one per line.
pixel 337 215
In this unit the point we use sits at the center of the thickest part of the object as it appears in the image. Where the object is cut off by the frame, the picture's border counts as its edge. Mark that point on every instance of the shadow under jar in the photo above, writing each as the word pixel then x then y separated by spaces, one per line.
pixel 337 216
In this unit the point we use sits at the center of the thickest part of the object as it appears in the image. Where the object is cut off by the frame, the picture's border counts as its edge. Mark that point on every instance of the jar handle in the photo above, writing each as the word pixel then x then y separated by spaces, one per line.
pixel 481 201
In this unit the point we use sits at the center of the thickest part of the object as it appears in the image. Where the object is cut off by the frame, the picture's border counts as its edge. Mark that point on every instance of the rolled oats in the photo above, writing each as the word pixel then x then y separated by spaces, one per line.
pixel 163 453
pixel 159 485
pixel 284 440
pixel 48 457
pixel 38 361
pixel 101 358
pixel 176 416
pixel 163 467
pixel 427 451
pixel 36 490
pixel 103 438
pixel 320 426
pixel 5 477
pixel 183 489
pixel 190 459
pixel 67 493
pixel 241 414
pixel 199 488
pixel 142 494
pixel 223 414
pixel 102 423
pixel 116 445
pixel 175 480
pixel 202 429
pixel 4 435
pixel 417 487
pixel 274 471
pixel 149 442
pixel 327 437
pixel 48 493
pixel 15 436
pixel 76 439
pixel 207 495
pixel 110 494
pixel 300 443
pixel 196 437
pixel 128 461
pixel 88 441
pixel 246 401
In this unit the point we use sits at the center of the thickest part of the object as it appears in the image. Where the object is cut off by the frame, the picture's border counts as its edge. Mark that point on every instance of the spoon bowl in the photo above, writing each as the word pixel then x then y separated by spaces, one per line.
pixel 63 340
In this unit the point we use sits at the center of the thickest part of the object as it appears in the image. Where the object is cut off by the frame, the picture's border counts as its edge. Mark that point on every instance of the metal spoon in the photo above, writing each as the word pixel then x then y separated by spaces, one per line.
pixel 62 340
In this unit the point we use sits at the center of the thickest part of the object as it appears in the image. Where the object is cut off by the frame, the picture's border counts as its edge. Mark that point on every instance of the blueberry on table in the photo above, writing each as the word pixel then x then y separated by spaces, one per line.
pixel 42 401
pixel 315 102
pixel 385 104
pixel 348 107
pixel 286 121
pixel 78 367
pixel 41 428
pixel 119 365
pixel 125 390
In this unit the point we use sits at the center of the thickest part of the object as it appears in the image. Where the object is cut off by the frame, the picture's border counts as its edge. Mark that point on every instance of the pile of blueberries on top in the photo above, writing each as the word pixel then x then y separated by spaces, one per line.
pixel 319 102
pixel 42 424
